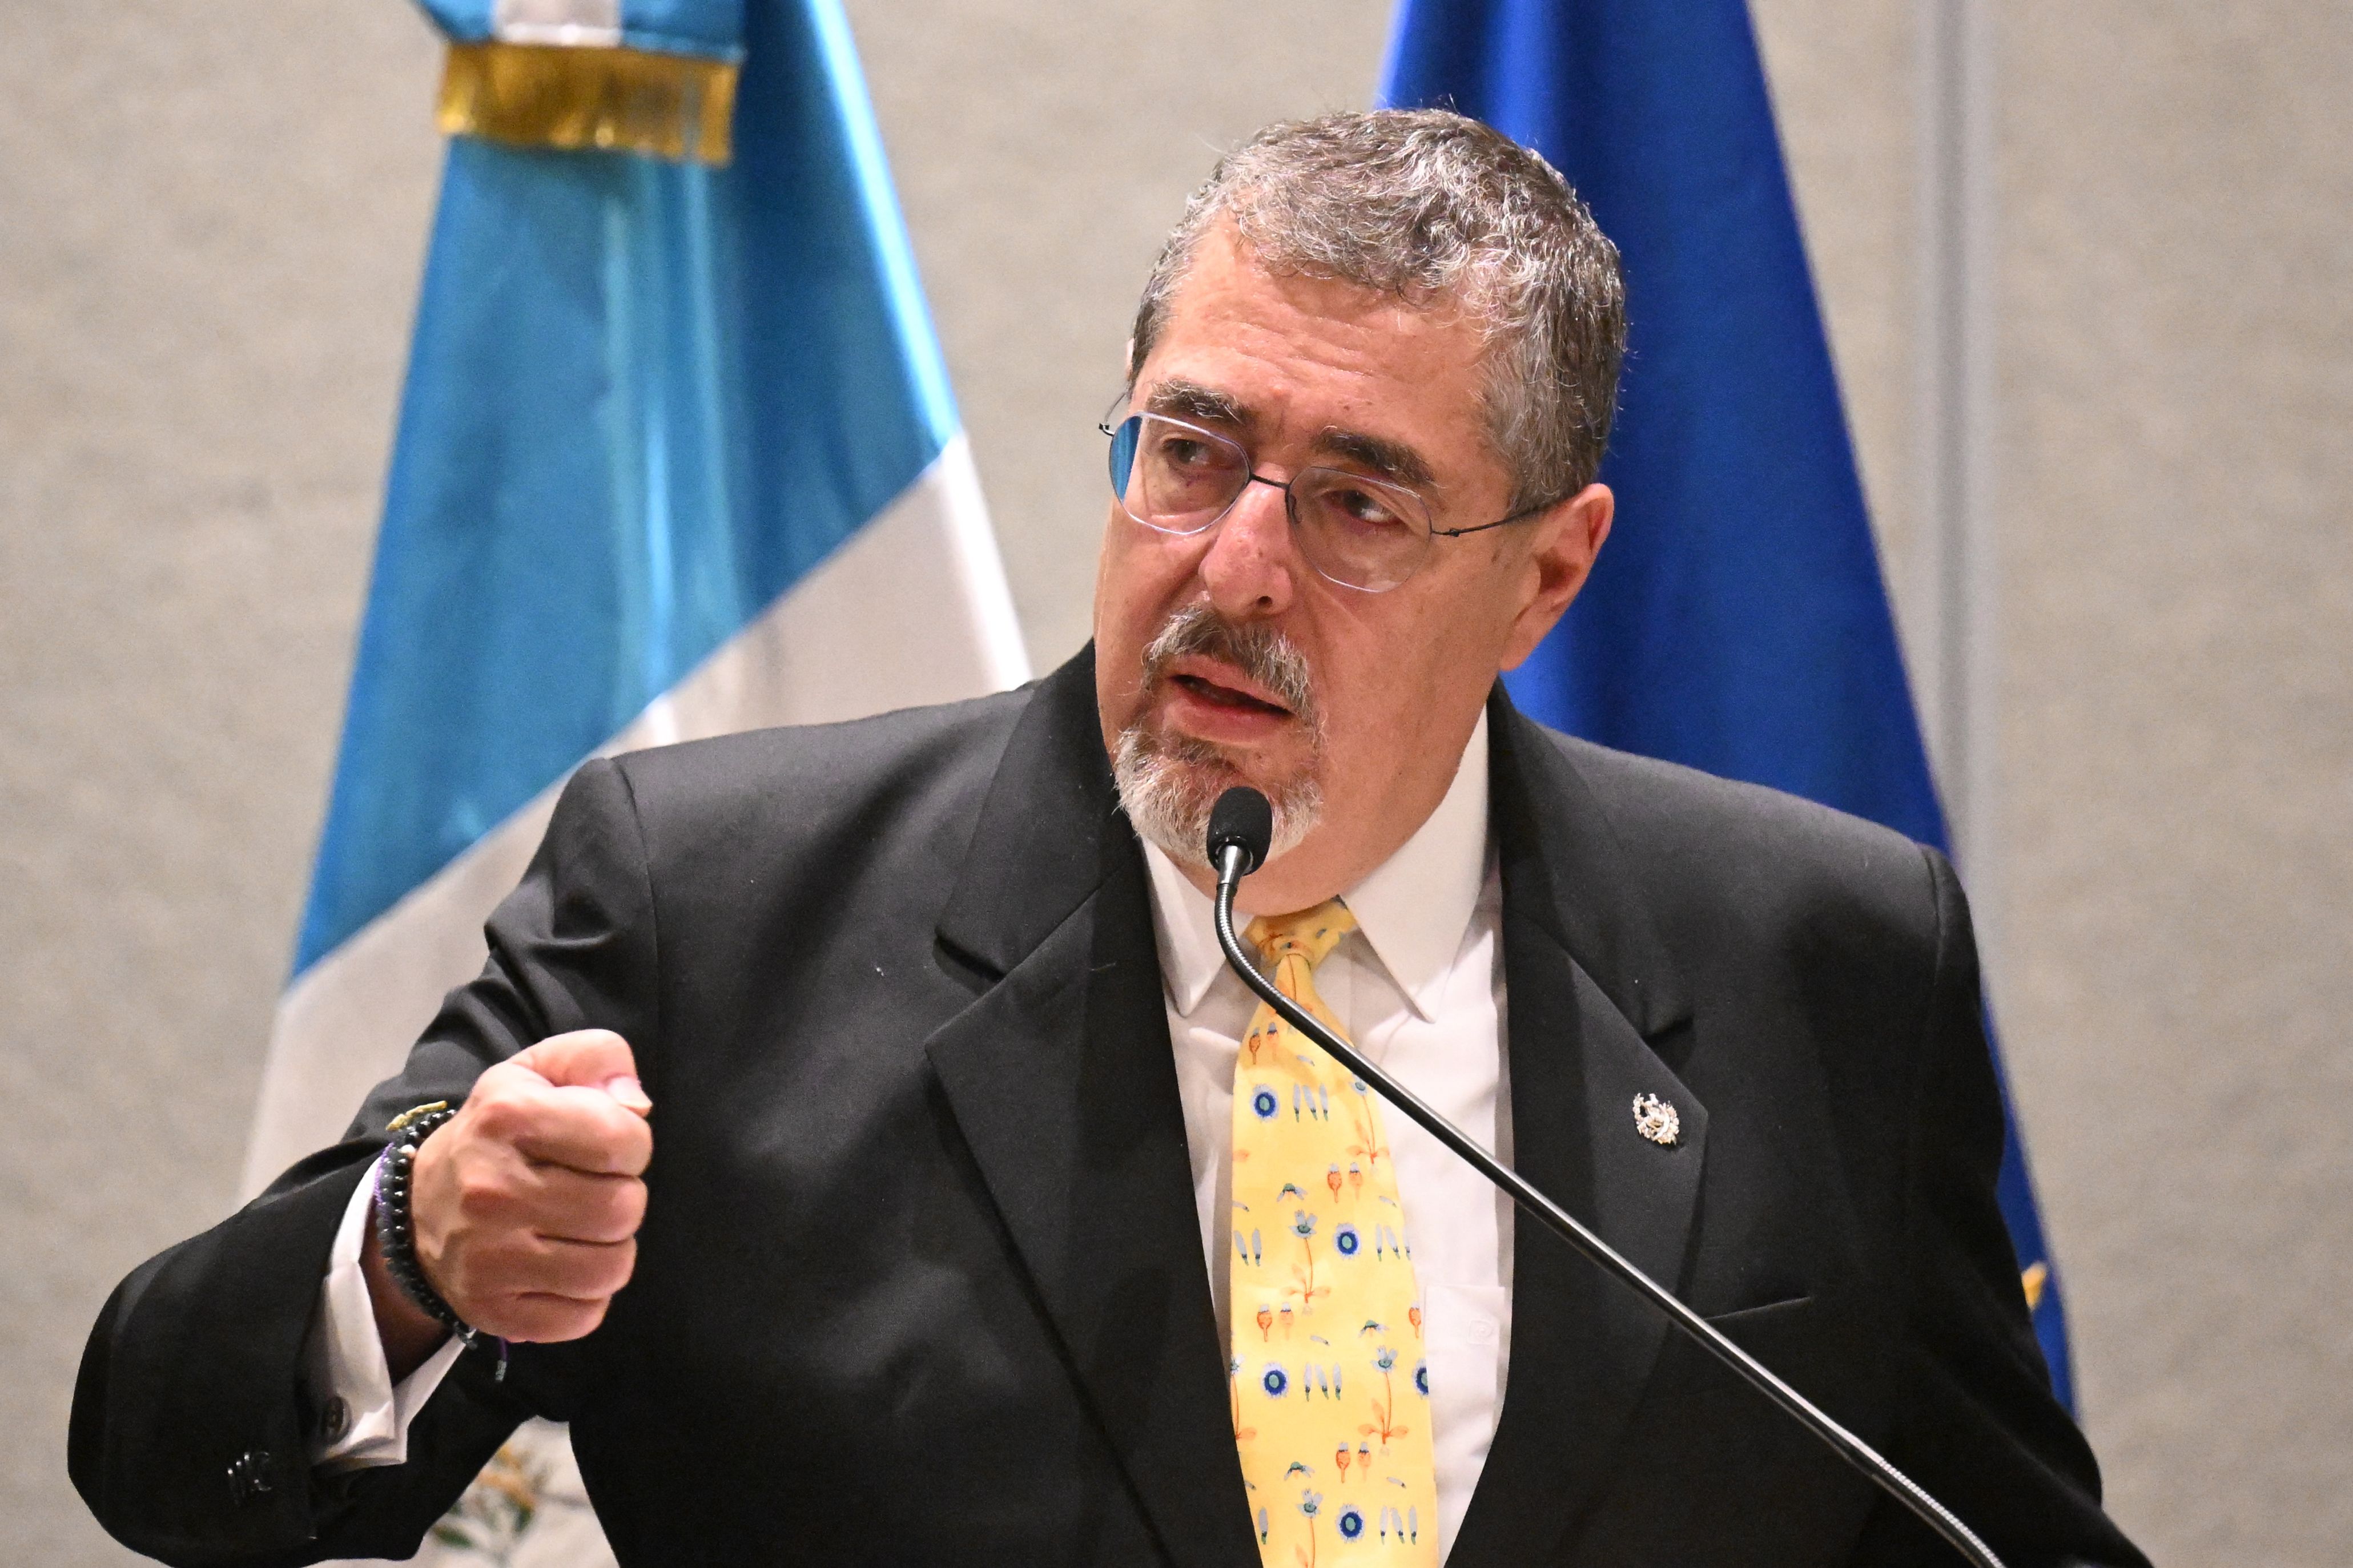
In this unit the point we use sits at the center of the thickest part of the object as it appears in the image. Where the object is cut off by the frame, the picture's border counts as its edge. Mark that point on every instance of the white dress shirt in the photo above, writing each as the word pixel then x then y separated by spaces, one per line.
pixel 1418 985
pixel 361 1419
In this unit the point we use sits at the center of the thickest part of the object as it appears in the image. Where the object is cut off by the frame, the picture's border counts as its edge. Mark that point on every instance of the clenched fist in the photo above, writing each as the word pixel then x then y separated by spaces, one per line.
pixel 526 1202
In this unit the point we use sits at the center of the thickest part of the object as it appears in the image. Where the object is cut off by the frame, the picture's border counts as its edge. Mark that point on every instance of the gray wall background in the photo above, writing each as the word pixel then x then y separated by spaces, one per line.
pixel 210 233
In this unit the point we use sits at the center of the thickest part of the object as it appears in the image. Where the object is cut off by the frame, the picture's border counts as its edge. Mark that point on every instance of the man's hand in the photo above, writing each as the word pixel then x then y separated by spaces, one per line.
pixel 526 1203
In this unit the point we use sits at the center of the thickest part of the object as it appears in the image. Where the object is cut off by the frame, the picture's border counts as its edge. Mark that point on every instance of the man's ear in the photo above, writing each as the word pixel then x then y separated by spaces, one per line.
pixel 1564 539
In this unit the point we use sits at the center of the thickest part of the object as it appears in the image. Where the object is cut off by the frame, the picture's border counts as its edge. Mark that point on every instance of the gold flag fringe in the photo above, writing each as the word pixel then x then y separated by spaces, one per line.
pixel 613 99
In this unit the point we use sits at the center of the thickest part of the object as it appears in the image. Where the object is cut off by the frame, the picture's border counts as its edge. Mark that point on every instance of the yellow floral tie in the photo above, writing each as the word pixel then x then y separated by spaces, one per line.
pixel 1331 1394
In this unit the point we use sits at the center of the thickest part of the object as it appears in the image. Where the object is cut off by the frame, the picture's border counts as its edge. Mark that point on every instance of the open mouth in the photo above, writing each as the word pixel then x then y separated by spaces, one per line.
pixel 1222 696
pixel 1215 683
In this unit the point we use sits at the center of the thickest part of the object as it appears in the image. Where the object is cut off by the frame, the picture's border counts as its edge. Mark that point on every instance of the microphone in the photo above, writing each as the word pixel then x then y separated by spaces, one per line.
pixel 1243 820
pixel 1242 827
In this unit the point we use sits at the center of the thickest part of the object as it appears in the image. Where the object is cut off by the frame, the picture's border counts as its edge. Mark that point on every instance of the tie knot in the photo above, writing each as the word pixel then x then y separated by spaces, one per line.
pixel 1309 933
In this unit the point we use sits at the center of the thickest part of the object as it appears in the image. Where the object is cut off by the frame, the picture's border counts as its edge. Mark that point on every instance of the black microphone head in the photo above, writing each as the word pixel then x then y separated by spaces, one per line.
pixel 1243 816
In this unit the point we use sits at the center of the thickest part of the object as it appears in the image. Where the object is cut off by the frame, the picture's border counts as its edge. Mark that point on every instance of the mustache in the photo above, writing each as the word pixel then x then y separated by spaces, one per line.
pixel 1260 652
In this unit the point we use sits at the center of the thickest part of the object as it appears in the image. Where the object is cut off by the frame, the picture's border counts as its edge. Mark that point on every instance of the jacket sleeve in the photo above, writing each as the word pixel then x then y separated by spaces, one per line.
pixel 191 1424
pixel 1977 1422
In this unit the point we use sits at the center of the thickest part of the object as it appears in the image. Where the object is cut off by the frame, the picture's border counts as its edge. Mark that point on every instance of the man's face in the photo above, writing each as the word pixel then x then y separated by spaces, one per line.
pixel 1307 371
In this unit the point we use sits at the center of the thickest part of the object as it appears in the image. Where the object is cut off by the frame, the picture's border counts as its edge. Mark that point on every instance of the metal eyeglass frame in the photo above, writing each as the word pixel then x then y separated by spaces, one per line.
pixel 1251 475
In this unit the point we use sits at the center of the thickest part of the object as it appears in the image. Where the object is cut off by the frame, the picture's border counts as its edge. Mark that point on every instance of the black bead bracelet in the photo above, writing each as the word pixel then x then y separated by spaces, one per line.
pixel 395 1229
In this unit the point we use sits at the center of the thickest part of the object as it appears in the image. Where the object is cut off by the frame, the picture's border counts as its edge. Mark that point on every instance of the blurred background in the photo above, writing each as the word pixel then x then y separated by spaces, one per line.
pixel 211 229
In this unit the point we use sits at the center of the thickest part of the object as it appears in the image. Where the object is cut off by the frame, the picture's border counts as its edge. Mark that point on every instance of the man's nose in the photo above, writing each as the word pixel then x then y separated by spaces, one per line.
pixel 1251 567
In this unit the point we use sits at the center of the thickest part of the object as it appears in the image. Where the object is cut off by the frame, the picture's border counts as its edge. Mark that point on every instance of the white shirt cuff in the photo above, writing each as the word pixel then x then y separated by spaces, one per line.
pixel 361 1420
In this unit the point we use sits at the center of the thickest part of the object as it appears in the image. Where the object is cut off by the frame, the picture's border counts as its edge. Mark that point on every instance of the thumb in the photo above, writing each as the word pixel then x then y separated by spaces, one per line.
pixel 589 1059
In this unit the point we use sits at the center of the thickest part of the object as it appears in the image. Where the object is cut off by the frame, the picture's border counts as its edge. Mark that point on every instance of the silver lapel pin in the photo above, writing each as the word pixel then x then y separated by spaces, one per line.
pixel 1656 1119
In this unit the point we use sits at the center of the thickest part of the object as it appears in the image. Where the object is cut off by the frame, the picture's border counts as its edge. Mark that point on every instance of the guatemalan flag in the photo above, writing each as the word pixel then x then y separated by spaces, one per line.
pixel 1737 621
pixel 677 456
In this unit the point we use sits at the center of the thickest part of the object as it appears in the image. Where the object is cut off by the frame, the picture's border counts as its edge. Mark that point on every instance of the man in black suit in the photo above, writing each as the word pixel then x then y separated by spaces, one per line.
pixel 921 1257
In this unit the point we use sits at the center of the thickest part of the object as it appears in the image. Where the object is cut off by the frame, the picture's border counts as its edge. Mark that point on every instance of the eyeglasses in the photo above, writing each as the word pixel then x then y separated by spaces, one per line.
pixel 1362 534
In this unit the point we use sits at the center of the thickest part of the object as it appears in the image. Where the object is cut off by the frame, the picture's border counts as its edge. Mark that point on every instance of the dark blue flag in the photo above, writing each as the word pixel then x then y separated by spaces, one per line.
pixel 1736 622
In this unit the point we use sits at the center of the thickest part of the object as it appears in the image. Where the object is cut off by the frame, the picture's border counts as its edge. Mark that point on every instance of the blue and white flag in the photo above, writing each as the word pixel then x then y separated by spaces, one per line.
pixel 1736 622
pixel 677 456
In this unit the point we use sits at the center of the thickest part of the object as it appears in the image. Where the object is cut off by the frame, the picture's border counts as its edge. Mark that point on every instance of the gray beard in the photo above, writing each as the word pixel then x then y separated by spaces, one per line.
pixel 1167 784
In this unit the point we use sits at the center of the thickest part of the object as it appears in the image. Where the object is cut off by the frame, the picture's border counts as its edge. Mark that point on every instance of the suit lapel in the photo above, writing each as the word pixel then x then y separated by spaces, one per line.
pixel 1588 984
pixel 1063 1084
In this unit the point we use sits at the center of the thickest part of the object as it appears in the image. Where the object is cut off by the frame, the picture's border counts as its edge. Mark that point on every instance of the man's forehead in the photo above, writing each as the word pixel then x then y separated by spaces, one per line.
pixel 1230 310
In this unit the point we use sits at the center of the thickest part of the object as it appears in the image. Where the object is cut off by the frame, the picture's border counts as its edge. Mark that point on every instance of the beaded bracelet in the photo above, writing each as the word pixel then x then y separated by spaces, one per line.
pixel 395 1229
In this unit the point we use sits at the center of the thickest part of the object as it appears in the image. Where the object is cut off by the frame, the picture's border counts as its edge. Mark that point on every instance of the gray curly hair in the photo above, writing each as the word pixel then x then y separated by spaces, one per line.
pixel 1436 209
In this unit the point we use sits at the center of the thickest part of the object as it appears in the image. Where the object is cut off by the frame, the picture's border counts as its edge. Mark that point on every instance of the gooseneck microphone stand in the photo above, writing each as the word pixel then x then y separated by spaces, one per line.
pixel 1240 829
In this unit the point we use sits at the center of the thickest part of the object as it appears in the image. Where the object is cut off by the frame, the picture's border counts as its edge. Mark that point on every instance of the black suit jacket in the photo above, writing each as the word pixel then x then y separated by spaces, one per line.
pixel 921 1279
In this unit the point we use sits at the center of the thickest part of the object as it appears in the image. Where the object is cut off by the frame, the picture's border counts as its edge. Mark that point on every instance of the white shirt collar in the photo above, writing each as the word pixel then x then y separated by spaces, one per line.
pixel 1412 909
